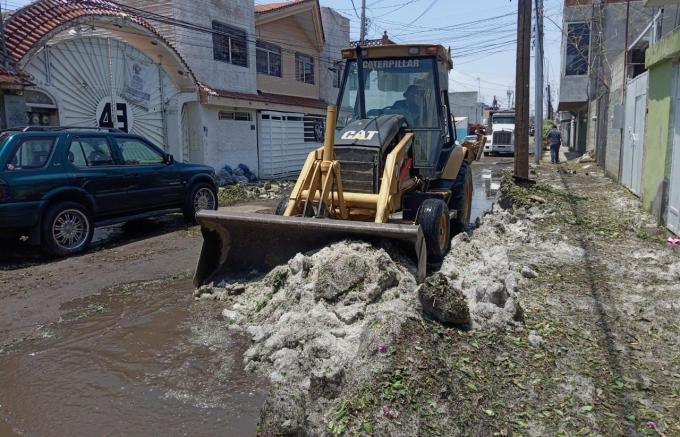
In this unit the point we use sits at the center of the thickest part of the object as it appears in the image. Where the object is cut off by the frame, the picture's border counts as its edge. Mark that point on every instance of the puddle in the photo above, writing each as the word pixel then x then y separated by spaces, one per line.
pixel 152 362
pixel 486 179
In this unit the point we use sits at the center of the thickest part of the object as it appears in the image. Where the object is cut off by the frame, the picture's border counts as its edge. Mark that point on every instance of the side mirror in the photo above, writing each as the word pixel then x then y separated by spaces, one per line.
pixel 169 159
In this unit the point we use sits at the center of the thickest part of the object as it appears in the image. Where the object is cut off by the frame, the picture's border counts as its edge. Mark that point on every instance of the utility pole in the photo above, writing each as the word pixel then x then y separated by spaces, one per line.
pixel 550 107
pixel 510 99
pixel 362 34
pixel 538 88
pixel 522 90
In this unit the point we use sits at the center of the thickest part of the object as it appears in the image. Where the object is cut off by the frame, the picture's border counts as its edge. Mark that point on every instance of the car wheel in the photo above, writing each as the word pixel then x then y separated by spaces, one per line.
pixel 201 196
pixel 486 153
pixel 433 218
pixel 67 229
pixel 281 206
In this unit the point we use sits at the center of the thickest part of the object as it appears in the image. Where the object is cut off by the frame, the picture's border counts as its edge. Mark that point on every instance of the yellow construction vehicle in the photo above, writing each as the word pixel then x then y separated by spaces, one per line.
pixel 390 168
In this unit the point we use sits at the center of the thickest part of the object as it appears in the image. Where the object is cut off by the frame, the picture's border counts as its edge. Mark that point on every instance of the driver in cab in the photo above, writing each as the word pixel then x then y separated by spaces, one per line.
pixel 414 95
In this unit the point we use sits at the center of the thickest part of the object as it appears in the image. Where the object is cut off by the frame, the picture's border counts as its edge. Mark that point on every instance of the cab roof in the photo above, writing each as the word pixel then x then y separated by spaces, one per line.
pixel 402 51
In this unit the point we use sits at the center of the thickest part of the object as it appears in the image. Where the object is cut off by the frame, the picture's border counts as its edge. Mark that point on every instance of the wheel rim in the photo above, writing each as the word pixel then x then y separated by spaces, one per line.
pixel 204 199
pixel 70 229
pixel 443 227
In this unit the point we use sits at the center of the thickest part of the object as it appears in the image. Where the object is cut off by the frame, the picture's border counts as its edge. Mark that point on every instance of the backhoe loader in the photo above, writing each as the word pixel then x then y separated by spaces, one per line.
pixel 390 168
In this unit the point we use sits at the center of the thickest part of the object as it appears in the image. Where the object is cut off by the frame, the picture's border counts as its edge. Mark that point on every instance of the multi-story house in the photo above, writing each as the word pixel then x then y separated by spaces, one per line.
pixel 224 83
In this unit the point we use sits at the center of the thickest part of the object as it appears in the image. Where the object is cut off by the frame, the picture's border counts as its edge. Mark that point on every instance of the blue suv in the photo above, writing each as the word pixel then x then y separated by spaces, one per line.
pixel 58 184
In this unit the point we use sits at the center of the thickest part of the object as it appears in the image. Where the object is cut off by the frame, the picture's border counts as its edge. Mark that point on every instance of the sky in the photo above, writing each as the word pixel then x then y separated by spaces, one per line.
pixel 481 34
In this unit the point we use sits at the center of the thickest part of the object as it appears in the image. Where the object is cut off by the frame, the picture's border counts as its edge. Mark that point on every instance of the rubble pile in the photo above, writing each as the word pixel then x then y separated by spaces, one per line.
pixel 320 324
pixel 233 194
pixel 317 325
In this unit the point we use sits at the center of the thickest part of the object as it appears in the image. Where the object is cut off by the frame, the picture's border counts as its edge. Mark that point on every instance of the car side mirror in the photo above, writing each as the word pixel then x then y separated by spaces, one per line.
pixel 169 159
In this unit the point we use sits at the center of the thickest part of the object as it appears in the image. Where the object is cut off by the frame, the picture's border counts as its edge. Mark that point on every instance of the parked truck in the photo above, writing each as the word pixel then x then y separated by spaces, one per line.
pixel 502 130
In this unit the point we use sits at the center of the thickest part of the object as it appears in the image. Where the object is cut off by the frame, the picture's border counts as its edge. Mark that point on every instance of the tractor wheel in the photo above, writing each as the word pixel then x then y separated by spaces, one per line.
pixel 461 200
pixel 433 218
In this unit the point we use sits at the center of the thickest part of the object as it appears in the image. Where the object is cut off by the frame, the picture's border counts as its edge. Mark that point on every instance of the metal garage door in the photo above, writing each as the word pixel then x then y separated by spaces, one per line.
pixel 634 134
pixel 104 82
pixel 284 141
pixel 673 215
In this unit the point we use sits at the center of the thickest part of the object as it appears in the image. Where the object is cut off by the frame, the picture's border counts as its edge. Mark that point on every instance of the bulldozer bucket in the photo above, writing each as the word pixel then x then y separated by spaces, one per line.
pixel 237 242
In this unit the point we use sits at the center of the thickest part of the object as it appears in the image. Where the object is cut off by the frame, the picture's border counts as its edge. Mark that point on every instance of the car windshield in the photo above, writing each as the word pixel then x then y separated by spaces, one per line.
pixel 504 120
pixel 404 86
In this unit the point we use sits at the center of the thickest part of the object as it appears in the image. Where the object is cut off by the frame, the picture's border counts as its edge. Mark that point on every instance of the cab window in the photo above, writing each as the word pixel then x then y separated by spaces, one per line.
pixel 90 152
pixel 31 153
pixel 137 152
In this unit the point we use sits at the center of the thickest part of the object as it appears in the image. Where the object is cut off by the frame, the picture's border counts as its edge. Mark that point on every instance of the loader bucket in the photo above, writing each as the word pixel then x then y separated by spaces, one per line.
pixel 237 242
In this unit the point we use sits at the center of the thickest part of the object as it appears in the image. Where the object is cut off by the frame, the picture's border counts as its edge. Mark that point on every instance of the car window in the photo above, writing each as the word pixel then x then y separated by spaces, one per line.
pixel 31 153
pixel 90 152
pixel 136 152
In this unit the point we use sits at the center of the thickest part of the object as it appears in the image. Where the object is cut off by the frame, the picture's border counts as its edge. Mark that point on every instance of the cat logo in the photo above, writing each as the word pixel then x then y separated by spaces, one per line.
pixel 360 135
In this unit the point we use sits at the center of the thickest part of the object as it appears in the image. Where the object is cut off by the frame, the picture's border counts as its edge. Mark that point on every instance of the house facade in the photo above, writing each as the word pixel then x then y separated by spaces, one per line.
pixel 661 166
pixel 225 84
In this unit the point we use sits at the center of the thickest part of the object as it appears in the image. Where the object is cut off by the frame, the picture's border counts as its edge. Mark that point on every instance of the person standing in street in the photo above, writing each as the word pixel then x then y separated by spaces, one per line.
pixel 554 138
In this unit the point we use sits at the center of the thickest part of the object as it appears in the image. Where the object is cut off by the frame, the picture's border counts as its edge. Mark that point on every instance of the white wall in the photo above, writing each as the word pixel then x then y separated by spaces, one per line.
pixel 229 141
pixel 197 47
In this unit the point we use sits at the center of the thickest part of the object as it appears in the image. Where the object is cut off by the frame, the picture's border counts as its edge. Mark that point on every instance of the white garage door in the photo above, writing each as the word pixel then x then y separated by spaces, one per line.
pixel 104 82
pixel 284 140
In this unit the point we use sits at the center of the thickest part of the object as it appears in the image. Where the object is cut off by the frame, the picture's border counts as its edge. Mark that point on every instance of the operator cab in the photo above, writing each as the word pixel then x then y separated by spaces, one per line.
pixel 403 85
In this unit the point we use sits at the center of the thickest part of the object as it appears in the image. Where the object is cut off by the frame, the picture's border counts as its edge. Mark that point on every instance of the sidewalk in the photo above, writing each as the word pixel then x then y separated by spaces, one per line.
pixel 598 349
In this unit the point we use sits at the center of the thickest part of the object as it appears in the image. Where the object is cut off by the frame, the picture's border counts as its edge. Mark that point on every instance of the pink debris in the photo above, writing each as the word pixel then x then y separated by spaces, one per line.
pixel 673 242
pixel 382 348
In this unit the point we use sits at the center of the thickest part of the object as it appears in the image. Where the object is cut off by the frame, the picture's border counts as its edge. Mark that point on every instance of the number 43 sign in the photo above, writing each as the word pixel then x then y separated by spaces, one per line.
pixel 120 118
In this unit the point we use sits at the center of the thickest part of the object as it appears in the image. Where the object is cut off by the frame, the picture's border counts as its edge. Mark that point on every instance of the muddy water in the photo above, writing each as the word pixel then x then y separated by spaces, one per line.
pixel 486 179
pixel 145 360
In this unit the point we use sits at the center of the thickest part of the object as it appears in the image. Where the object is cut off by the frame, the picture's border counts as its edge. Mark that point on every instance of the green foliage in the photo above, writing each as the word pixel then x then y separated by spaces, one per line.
pixel 232 194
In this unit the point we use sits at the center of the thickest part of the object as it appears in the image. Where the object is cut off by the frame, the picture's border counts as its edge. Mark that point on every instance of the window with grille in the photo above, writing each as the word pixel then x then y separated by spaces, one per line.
pixel 577 50
pixel 238 116
pixel 229 44
pixel 268 59
pixel 304 68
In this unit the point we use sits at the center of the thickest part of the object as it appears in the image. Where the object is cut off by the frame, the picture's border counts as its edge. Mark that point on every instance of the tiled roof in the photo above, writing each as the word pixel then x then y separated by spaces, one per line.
pixel 278 99
pixel 269 7
pixel 29 25
pixel 12 76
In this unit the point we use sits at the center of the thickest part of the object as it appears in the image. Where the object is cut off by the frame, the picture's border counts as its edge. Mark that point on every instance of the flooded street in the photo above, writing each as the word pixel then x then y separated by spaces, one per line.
pixel 486 178
pixel 142 359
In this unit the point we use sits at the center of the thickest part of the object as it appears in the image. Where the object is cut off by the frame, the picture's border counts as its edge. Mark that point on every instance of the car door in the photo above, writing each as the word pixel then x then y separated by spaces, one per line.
pixel 157 181
pixel 94 168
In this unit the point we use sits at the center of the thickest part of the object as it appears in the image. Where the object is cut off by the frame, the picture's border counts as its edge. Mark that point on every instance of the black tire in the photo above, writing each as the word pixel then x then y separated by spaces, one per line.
pixel 486 153
pixel 433 218
pixel 461 200
pixel 281 206
pixel 66 229
pixel 191 207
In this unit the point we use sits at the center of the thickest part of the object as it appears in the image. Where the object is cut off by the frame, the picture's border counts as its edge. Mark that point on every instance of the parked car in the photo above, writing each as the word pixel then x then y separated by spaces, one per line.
pixel 58 184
